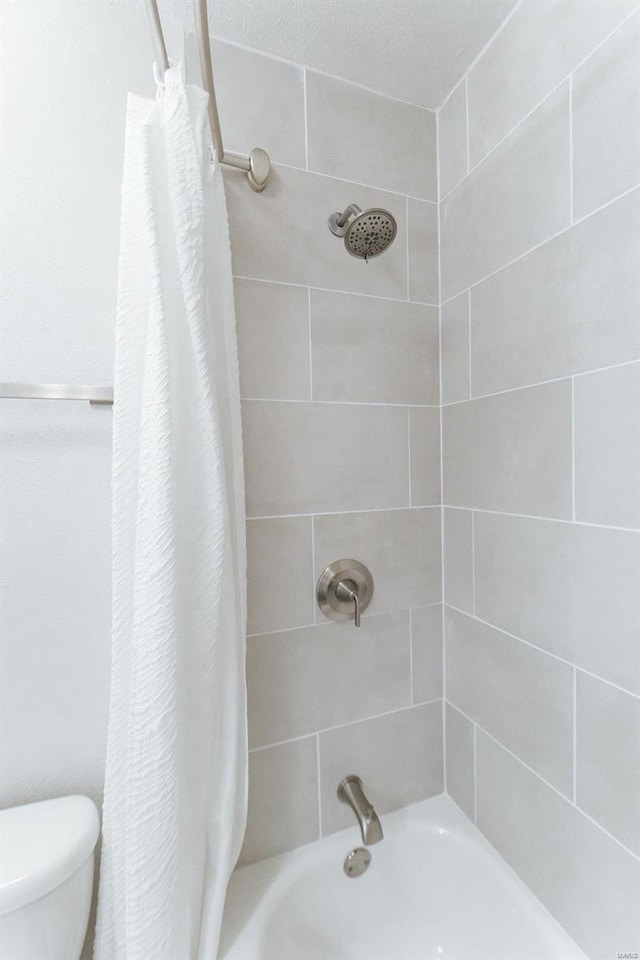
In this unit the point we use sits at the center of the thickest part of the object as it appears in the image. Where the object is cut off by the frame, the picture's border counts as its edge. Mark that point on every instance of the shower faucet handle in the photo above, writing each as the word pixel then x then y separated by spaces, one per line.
pixel 348 590
pixel 344 590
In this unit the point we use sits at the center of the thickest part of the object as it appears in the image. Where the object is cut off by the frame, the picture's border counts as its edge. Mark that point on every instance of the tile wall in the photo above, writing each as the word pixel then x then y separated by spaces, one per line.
pixel 540 318
pixel 339 367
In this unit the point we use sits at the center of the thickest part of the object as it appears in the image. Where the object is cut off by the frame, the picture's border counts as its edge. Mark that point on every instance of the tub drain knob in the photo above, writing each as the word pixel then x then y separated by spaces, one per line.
pixel 357 862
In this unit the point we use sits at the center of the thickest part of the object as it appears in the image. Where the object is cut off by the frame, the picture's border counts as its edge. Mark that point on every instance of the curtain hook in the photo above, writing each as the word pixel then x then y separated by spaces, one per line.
pixel 158 76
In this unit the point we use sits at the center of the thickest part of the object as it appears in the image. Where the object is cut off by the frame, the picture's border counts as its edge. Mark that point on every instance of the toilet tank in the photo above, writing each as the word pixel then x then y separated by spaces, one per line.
pixel 46 878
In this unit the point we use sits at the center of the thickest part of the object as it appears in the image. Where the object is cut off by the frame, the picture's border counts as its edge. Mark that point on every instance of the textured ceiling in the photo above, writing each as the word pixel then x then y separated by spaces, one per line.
pixel 415 50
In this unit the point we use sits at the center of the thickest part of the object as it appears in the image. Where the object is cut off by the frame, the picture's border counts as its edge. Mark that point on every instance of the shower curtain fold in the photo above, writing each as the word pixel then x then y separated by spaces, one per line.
pixel 176 771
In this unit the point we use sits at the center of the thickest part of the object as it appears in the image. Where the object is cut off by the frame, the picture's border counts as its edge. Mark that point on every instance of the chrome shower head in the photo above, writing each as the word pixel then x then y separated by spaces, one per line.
pixel 367 233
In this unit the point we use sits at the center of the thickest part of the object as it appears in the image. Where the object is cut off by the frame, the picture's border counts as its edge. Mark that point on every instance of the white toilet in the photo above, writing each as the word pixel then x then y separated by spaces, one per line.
pixel 46 878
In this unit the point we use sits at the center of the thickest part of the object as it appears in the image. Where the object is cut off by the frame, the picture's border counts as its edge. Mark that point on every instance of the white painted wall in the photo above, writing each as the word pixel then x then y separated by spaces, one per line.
pixel 66 68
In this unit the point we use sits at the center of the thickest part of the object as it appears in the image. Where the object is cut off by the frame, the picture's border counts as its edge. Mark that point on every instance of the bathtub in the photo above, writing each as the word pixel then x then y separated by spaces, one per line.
pixel 434 888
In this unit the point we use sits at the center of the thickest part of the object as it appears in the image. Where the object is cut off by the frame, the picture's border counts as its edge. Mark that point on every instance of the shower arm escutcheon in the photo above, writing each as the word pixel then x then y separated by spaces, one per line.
pixel 344 590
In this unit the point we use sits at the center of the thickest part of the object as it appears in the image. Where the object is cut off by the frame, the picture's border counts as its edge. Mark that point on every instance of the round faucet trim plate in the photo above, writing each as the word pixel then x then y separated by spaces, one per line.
pixel 334 600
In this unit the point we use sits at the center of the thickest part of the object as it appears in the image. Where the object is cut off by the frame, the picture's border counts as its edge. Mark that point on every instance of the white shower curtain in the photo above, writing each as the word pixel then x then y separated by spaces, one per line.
pixel 175 792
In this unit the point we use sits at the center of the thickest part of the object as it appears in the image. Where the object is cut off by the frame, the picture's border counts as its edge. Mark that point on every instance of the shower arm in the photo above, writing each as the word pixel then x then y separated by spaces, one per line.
pixel 339 221
pixel 257 165
pixel 350 210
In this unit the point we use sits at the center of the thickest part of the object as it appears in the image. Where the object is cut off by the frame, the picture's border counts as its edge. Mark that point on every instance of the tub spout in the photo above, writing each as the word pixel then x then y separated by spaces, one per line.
pixel 350 791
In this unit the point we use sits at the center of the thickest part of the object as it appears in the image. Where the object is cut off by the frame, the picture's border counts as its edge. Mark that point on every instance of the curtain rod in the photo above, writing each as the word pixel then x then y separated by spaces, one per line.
pixel 257 165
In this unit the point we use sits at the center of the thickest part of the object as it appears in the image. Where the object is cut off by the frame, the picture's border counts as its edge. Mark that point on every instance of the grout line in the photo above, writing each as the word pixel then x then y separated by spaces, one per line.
pixel 542 243
pixel 568 76
pixel 444 746
pixel 548 653
pixel 323 73
pixel 349 723
pixel 342 403
pixel 409 455
pixel 313 567
pixel 493 37
pixel 377 93
pixel 470 386
pixel 438 177
pixel 310 346
pixel 528 516
pixel 473 562
pixel 355 183
pixel 479 56
pixel 544 909
pixel 306 119
pixel 319 784
pixel 475 773
pixel 571 204
pixel 573 449
pixel 411 688
pixel 451 93
pixel 345 513
pixel 448 506
pixel 282 743
pixel 406 208
pixel 507 136
pixel 466 112
pixel 550 785
pixel 539 383
pixel 345 293
pixel 441 455
pixel 324 623
pixel 575 736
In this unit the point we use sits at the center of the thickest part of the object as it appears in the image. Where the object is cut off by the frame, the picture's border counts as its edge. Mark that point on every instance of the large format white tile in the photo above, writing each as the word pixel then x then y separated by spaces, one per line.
pixel 283 233
pixel 606 120
pixel 455 349
pixel 277 819
pixel 316 457
pixel 570 589
pixel 280 585
pixel 424 435
pixel 423 251
pixel 511 452
pixel 458 558
pixel 607 446
pixel 401 548
pixel 295 685
pixel 515 199
pixel 608 758
pixel 426 652
pixel 460 754
pixel 360 135
pixel 272 325
pixel 373 351
pixel 452 139
pixel 519 695
pixel 261 103
pixel 398 757
pixel 539 46
pixel 588 882
pixel 554 312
